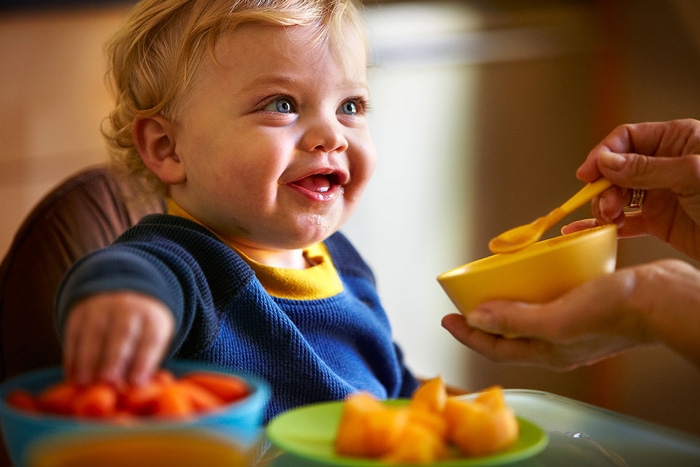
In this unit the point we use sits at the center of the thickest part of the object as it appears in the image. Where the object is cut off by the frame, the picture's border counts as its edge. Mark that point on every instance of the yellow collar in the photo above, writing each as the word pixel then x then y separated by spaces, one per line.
pixel 315 282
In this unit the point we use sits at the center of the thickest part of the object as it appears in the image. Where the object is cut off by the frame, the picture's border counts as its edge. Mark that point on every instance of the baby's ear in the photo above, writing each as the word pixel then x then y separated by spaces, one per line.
pixel 154 141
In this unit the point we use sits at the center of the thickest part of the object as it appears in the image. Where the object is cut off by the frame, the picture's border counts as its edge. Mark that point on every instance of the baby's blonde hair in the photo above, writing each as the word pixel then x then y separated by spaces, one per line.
pixel 154 57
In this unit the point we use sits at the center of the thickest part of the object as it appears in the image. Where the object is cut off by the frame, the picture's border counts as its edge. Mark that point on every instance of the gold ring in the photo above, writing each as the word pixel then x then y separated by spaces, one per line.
pixel 637 198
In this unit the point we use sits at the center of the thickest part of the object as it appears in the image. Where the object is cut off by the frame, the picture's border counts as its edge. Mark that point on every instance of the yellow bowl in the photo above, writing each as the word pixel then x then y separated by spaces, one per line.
pixel 538 273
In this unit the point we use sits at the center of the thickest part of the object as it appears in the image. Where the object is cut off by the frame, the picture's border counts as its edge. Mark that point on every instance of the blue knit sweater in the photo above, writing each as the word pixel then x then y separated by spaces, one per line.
pixel 308 350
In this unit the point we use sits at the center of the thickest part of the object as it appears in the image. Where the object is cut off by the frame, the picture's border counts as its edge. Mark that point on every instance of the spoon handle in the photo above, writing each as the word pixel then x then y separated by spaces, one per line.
pixel 585 194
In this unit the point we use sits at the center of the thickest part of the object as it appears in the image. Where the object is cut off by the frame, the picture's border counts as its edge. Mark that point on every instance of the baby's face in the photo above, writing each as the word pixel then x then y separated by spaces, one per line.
pixel 274 139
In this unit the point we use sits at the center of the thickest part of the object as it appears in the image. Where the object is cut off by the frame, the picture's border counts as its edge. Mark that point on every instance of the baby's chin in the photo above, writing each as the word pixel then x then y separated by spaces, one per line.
pixel 312 229
pixel 290 243
pixel 291 233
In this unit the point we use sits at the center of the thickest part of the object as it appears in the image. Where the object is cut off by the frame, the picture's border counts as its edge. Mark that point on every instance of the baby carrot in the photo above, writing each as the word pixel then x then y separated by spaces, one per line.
pixel 164 395
pixel 173 402
pixel 95 400
pixel 141 400
pixel 201 398
pixel 164 377
pixel 22 400
pixel 58 399
pixel 228 388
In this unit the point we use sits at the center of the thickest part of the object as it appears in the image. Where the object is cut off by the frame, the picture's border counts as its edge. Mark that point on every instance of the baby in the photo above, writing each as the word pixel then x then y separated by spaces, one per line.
pixel 251 117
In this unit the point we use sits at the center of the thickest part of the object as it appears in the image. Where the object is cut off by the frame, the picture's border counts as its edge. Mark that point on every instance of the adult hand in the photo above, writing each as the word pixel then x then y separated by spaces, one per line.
pixel 653 303
pixel 118 336
pixel 662 158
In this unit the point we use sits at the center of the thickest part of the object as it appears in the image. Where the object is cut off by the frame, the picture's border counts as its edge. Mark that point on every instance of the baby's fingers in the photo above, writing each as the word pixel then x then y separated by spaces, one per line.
pixel 84 334
pixel 118 348
pixel 157 328
pixel 116 337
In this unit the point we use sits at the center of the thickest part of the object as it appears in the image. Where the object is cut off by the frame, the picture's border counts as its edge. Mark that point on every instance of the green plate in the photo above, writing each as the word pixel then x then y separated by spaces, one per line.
pixel 309 431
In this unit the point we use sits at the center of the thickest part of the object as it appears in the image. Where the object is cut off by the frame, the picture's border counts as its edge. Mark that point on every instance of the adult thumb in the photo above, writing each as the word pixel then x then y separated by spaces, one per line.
pixel 630 170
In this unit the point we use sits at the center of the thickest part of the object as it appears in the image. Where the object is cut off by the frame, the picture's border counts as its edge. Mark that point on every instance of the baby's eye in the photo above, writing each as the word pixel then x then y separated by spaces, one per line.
pixel 354 106
pixel 282 105
pixel 348 108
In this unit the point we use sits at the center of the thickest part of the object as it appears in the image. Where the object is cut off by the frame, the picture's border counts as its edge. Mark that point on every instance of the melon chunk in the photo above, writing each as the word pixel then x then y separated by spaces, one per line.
pixel 429 428
pixel 418 445
pixel 427 406
pixel 483 425
pixel 368 428
pixel 430 396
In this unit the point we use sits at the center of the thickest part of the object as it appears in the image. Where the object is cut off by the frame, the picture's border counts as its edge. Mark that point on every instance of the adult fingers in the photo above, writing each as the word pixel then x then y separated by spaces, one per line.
pixel 678 174
pixel 512 319
pixel 564 320
pixel 660 139
pixel 495 347
pixel 578 225
pixel 457 326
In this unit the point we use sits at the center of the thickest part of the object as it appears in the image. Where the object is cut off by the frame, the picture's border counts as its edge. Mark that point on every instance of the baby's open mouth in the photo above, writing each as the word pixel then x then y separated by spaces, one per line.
pixel 318 183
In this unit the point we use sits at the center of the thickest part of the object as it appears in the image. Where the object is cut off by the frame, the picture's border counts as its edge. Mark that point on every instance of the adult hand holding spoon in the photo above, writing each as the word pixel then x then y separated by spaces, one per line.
pixel 519 237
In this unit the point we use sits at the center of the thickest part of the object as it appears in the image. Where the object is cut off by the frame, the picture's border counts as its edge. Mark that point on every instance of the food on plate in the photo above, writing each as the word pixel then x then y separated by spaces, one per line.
pixel 370 428
pixel 164 396
pixel 417 445
pixel 431 396
pixel 430 428
pixel 482 426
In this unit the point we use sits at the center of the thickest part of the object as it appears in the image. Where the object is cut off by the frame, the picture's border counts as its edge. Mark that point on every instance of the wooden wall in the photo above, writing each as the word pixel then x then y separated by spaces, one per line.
pixel 52 102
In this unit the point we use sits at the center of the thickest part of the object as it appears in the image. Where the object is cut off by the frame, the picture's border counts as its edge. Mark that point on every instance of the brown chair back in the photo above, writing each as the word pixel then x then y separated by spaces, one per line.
pixel 83 213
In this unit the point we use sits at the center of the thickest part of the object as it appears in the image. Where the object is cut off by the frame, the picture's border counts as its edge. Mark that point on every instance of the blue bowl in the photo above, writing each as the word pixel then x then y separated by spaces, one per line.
pixel 238 424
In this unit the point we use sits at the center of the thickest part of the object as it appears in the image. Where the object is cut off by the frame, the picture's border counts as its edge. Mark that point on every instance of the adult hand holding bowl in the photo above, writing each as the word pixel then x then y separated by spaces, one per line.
pixel 529 271
pixel 537 273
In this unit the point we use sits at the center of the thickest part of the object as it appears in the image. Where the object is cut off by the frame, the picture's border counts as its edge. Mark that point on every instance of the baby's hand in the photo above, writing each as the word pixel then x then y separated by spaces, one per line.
pixel 117 336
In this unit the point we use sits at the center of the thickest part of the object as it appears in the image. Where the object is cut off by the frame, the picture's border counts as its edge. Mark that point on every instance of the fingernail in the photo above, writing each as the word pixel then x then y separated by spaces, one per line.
pixel 612 160
pixel 601 209
pixel 481 319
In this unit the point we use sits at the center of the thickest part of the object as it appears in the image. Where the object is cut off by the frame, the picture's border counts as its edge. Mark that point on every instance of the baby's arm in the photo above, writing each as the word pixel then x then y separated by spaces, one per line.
pixel 116 336
pixel 118 310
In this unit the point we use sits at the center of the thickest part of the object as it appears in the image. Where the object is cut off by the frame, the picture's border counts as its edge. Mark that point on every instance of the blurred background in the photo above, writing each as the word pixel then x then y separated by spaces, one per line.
pixel 482 111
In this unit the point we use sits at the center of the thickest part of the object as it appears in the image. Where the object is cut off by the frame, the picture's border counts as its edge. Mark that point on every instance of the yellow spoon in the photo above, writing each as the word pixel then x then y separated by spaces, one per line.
pixel 519 237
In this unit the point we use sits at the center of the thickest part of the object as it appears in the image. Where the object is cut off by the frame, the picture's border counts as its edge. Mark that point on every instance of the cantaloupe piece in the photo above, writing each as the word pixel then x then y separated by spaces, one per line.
pixel 431 396
pixel 418 445
pixel 481 426
pixel 423 431
pixel 492 397
pixel 368 428
pixel 427 405
pixel 434 422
